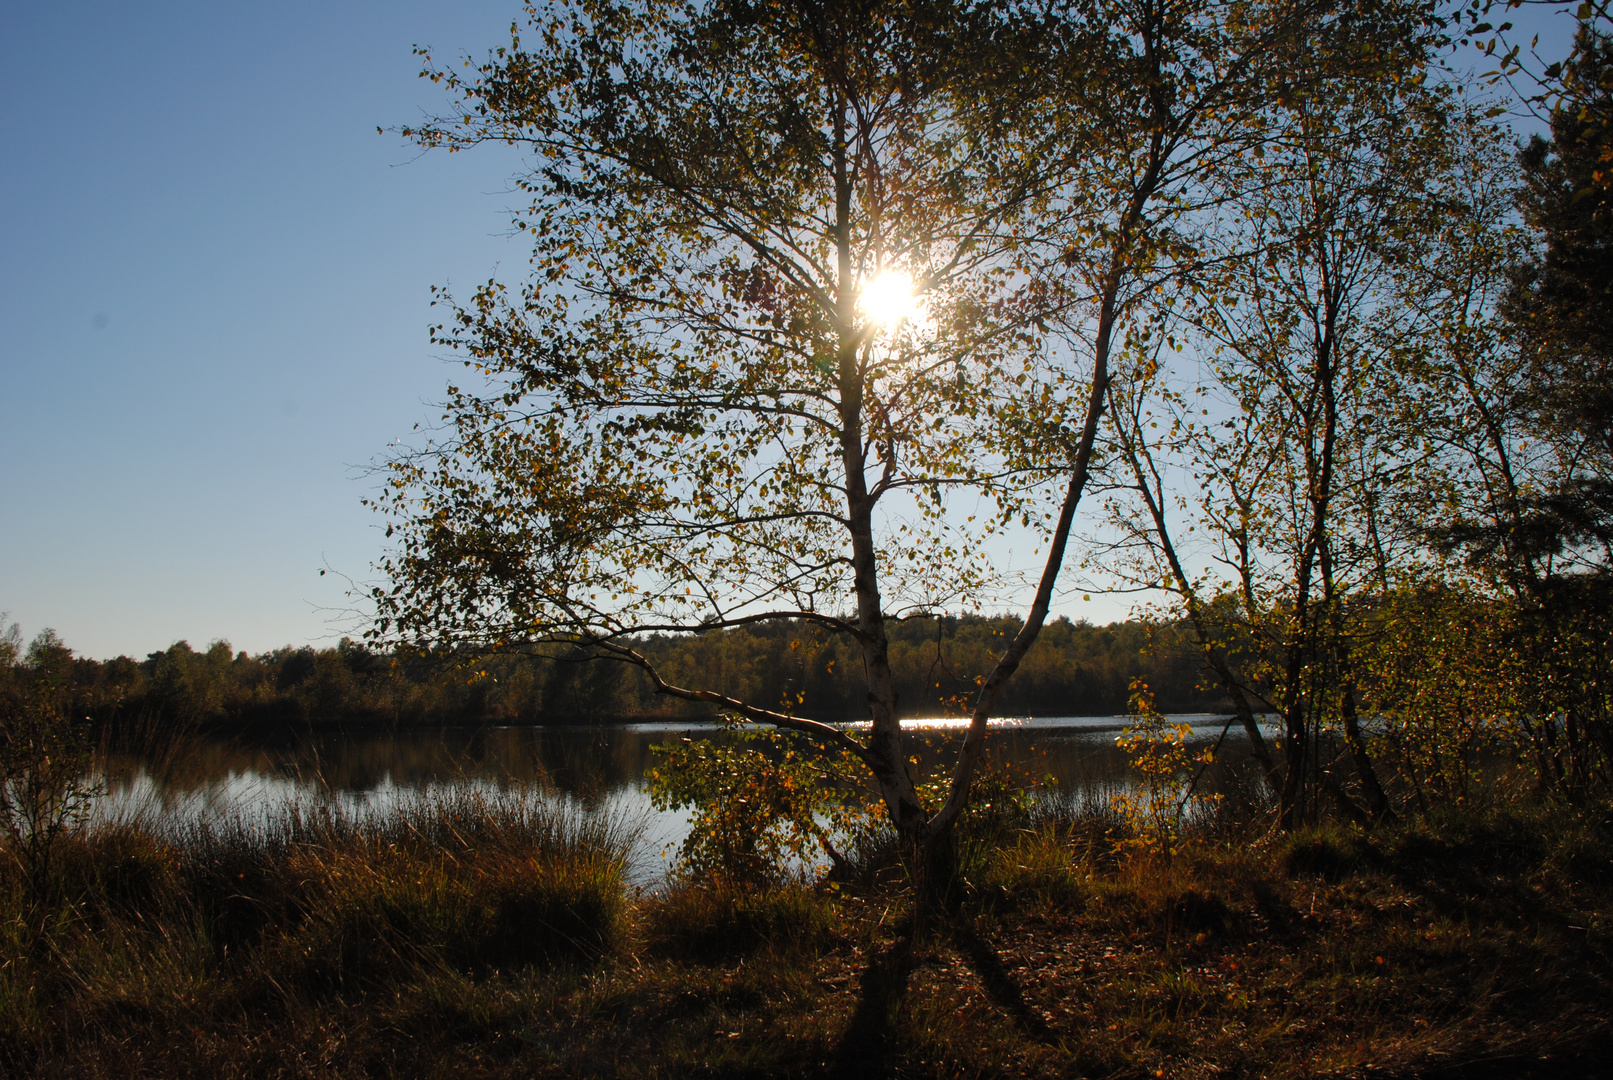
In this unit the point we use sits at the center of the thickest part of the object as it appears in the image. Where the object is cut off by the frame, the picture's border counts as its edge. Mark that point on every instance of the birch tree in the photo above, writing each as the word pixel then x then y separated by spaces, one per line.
pixel 1294 438
pixel 822 304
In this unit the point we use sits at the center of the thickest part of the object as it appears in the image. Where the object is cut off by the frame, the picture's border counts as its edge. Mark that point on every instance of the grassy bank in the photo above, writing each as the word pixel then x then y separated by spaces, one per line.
pixel 478 939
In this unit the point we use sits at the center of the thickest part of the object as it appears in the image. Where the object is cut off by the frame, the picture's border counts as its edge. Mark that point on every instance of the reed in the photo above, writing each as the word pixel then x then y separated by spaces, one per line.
pixel 207 919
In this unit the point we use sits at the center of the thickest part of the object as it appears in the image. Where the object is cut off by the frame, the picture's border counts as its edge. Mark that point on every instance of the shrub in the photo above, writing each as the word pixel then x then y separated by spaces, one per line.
pixel 1156 807
pixel 45 754
pixel 763 806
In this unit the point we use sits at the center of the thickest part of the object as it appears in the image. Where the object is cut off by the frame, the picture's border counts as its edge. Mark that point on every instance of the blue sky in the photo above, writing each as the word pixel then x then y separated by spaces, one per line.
pixel 214 281
pixel 214 289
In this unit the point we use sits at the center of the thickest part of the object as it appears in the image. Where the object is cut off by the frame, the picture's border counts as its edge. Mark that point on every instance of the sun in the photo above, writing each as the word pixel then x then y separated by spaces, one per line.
pixel 888 298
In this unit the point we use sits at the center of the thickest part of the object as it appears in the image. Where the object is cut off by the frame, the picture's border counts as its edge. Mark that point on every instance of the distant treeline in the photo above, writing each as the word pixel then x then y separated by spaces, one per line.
pixel 1075 669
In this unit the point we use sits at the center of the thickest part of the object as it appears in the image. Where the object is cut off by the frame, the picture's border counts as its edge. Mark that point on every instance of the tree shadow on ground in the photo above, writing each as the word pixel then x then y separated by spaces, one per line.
pixel 870 1039
pixel 999 982
pixel 866 1047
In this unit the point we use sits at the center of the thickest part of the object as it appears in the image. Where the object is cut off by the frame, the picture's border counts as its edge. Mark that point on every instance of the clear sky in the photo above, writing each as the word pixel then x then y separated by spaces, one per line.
pixel 214 282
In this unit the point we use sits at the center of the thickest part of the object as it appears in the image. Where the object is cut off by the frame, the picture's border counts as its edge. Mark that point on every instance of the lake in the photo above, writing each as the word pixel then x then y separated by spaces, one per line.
pixel 589 769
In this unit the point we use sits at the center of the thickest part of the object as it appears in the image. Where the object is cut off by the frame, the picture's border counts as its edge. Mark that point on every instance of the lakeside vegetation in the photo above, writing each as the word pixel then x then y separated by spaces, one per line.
pixel 1162 930
pixel 463 937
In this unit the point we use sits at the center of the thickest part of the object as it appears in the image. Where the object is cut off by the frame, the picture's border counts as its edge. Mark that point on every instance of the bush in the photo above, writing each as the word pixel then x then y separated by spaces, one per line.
pixel 765 806
pixel 45 757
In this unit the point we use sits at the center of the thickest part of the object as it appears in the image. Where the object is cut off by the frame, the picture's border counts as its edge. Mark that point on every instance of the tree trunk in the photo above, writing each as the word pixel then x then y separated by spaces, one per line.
pixel 1136 454
pixel 1377 803
pixel 886 753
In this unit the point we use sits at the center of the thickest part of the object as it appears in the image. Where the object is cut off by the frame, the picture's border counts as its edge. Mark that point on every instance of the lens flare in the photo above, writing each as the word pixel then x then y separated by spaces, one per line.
pixel 888 299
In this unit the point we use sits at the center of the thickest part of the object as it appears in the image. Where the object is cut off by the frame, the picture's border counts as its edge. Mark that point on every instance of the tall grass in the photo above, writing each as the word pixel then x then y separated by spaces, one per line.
pixel 309 904
pixel 488 934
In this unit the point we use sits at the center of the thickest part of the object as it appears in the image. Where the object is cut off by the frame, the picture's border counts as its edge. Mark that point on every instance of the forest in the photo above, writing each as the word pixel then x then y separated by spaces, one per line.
pixel 1077 670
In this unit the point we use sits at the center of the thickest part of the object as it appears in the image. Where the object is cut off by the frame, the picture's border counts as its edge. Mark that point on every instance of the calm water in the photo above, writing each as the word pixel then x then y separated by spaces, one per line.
pixel 594 770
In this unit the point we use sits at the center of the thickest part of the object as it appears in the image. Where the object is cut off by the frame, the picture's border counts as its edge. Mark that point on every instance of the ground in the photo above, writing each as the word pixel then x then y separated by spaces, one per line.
pixel 1480 947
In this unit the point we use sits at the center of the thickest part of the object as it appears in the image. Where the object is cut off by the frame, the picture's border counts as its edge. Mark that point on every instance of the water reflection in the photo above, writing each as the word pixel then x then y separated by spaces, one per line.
pixel 595 770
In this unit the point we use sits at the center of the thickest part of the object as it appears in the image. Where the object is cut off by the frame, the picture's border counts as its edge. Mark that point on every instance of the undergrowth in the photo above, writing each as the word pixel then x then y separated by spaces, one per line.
pixel 486 937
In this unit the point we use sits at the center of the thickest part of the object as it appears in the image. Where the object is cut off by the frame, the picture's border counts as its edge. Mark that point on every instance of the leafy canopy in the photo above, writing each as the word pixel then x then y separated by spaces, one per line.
pixel 683 413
